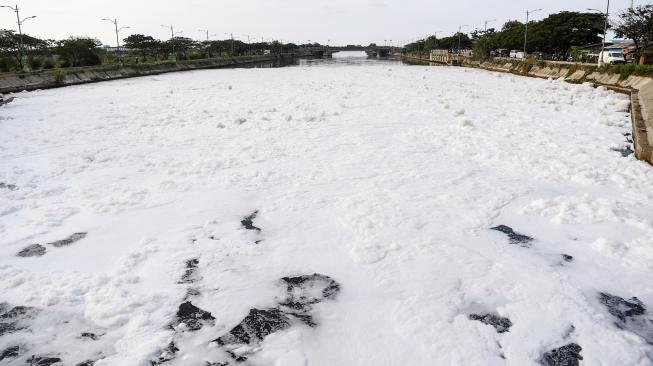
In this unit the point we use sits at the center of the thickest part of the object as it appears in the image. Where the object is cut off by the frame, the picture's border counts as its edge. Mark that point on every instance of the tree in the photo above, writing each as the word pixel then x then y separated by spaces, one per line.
pixel 12 45
pixel 636 24
pixel 146 45
pixel 179 44
pixel 79 51
pixel 556 33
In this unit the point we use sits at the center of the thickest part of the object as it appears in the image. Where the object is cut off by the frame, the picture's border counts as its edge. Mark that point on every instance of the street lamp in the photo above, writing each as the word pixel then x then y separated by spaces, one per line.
pixel 528 14
pixel 206 31
pixel 20 29
pixel 115 24
pixel 172 31
pixel 489 21
pixel 231 35
pixel 460 28
pixel 605 31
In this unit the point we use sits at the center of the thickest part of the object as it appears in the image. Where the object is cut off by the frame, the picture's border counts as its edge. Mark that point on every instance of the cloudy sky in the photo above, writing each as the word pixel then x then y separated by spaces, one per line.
pixel 340 21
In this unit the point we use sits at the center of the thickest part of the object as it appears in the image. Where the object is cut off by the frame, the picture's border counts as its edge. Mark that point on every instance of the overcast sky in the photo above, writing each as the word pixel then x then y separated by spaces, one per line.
pixel 341 21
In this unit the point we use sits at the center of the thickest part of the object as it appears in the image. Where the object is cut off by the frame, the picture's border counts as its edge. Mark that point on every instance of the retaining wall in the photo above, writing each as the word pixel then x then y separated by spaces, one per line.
pixel 16 82
pixel 640 89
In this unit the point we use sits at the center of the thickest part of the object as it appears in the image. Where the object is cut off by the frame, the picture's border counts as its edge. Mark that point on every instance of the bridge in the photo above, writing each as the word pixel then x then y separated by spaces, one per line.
pixel 328 51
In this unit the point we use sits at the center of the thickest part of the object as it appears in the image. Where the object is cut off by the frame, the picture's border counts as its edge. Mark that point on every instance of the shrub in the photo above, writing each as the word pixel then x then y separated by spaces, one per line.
pixel 34 63
pixel 48 64
pixel 59 75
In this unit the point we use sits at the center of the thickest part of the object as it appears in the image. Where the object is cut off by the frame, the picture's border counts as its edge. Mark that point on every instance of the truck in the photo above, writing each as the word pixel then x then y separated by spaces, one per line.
pixel 612 57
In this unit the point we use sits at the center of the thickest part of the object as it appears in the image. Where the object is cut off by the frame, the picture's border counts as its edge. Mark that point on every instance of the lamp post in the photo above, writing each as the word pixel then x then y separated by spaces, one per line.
pixel 231 35
pixel 605 30
pixel 20 30
pixel 460 28
pixel 489 21
pixel 528 14
pixel 115 24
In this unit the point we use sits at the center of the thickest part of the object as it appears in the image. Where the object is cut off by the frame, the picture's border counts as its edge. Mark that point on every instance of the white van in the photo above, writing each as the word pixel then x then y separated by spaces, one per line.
pixel 611 57
pixel 513 53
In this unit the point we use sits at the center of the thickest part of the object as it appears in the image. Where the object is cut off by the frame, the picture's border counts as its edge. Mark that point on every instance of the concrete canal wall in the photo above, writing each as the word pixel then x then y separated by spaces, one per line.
pixel 16 82
pixel 640 89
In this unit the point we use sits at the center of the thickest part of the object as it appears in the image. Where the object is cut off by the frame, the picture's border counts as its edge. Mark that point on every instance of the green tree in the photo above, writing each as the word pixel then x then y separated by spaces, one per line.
pixel 636 24
pixel 179 44
pixel 14 46
pixel 145 45
pixel 79 51
pixel 556 33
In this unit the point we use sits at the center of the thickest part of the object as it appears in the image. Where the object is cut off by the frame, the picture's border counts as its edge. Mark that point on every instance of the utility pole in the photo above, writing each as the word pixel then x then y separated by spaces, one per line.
pixel 460 29
pixel 489 21
pixel 605 32
pixel 115 24
pixel 528 13
pixel 172 36
pixel 20 30
pixel 232 43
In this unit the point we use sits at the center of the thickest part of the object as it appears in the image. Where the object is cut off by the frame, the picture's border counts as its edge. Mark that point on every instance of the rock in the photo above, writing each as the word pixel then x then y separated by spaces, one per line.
pixel 568 355
pixel 69 240
pixel 248 222
pixel 622 309
pixel 304 291
pixel 11 352
pixel 34 250
pixel 502 325
pixel 191 268
pixel 193 317
pixel 515 238
pixel 257 325
pixel 44 361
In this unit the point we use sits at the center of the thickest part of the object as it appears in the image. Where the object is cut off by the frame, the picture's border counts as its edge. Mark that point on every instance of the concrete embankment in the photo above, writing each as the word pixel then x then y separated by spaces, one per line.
pixel 640 89
pixel 16 82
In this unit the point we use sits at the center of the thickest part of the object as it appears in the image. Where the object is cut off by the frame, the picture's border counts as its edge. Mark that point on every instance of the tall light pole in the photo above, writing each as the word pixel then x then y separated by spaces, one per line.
pixel 605 30
pixel 460 29
pixel 206 31
pixel 115 24
pixel 173 34
pixel 231 35
pixel 489 21
pixel 528 14
pixel 20 30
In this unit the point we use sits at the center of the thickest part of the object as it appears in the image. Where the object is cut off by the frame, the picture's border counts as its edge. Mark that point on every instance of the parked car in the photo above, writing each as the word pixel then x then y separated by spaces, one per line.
pixel 612 57
pixel 513 53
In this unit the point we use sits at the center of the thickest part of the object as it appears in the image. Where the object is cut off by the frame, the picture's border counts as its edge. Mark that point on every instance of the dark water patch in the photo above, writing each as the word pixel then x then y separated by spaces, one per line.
pixel 515 238
pixel 194 317
pixel 69 240
pixel 191 269
pixel 4 101
pixel 167 354
pixel 34 250
pixel 86 363
pixel 11 187
pixel 11 352
pixel 631 315
pixel 622 309
pixel 567 258
pixel 568 355
pixel 91 336
pixel 501 324
pixel 44 361
pixel 625 151
pixel 16 319
pixel 307 290
pixel 248 222
pixel 257 325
